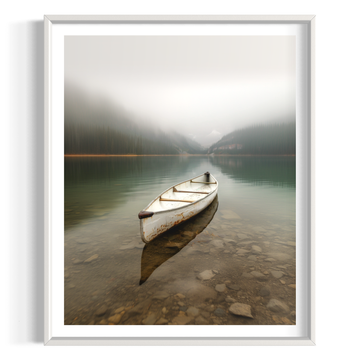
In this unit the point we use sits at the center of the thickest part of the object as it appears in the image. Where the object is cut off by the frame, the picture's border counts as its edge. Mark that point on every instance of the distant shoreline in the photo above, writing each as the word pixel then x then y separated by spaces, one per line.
pixel 133 155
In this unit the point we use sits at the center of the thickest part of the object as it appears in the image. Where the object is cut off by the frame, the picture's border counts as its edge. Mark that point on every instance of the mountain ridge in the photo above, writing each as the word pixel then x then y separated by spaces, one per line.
pixel 263 139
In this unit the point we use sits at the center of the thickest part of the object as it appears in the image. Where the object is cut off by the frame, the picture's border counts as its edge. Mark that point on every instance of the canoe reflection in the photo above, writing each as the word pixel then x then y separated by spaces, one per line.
pixel 166 245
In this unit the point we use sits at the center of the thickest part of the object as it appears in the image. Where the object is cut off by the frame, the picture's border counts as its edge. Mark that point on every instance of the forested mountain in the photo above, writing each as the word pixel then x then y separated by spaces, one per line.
pixel 97 126
pixel 92 139
pixel 270 139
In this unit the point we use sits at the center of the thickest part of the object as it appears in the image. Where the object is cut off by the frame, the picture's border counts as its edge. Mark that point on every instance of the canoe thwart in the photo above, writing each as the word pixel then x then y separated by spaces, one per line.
pixel 177 200
pixel 192 192
pixel 145 214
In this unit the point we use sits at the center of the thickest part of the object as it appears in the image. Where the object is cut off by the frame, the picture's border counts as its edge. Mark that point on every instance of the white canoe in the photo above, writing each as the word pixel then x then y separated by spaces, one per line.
pixel 177 204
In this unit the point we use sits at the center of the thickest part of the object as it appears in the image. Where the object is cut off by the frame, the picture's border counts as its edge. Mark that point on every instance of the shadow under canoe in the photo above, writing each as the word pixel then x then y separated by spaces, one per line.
pixel 168 244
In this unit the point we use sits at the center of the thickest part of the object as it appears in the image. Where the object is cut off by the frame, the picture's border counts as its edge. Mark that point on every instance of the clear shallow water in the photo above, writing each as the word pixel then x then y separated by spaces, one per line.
pixel 246 239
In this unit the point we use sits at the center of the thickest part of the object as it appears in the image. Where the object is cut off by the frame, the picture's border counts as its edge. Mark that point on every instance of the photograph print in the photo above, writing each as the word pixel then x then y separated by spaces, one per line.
pixel 179 159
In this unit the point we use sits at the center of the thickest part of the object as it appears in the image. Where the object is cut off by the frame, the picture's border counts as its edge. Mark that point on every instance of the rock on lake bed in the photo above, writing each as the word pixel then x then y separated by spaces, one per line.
pixel 241 310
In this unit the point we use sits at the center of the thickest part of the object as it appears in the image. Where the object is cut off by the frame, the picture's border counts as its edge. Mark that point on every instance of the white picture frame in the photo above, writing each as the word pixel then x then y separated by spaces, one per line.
pixel 54 26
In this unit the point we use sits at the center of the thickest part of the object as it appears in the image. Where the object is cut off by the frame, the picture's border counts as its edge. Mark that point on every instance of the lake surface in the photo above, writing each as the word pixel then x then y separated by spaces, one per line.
pixel 241 249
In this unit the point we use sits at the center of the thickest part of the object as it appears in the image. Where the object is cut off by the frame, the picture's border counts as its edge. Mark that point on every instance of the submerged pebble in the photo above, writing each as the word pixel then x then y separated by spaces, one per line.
pixel 206 275
pixel 91 258
pixel 277 306
pixel 101 310
pixel 241 310
pixel 220 312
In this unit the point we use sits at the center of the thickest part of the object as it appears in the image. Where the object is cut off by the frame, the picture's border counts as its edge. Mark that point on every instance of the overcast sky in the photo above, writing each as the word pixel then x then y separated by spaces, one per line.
pixel 196 85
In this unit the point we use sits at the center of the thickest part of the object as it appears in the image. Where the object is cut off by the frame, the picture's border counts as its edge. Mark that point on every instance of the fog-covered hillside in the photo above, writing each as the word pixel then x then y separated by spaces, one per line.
pixel 94 125
pixel 269 139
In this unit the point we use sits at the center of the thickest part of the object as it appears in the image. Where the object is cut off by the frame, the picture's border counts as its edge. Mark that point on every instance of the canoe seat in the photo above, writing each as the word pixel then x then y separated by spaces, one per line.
pixel 192 192
pixel 176 200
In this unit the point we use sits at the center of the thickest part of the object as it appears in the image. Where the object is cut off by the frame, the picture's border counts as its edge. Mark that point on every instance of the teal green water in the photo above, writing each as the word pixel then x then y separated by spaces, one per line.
pixel 256 207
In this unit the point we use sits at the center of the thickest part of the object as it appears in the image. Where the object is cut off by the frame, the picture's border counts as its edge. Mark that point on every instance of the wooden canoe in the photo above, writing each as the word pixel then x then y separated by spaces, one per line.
pixel 178 203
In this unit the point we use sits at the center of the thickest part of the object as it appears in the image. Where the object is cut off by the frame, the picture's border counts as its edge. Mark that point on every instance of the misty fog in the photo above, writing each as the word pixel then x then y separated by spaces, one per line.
pixel 200 87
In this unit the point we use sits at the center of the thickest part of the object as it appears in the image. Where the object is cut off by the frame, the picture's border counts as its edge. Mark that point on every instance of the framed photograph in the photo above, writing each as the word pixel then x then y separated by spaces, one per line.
pixel 179 180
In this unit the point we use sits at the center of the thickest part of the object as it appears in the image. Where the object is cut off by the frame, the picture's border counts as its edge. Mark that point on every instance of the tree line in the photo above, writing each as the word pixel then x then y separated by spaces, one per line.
pixel 269 139
pixel 85 139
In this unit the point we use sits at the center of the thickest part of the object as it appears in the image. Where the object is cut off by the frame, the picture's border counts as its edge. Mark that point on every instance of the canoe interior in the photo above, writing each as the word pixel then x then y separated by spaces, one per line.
pixel 198 188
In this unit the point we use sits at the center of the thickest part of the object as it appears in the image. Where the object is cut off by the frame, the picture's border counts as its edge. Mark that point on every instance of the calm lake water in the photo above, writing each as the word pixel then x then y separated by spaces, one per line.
pixel 241 249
